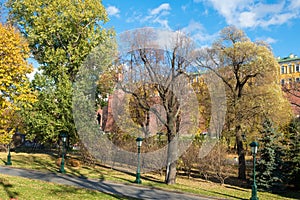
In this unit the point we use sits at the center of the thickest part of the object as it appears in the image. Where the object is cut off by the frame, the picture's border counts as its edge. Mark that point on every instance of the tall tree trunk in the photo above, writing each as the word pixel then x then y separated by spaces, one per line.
pixel 241 154
pixel 172 150
pixel 171 170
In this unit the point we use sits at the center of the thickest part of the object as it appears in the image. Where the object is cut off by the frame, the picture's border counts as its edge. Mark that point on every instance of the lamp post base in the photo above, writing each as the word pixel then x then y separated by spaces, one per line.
pixel 62 166
pixel 254 193
pixel 8 163
pixel 8 160
pixel 138 179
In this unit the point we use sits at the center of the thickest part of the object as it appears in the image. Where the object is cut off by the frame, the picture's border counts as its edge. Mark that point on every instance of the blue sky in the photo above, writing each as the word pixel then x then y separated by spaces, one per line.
pixel 274 21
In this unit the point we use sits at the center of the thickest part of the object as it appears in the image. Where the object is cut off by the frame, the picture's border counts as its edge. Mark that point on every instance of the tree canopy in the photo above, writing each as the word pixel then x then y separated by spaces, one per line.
pixel 249 71
pixel 14 84
pixel 61 33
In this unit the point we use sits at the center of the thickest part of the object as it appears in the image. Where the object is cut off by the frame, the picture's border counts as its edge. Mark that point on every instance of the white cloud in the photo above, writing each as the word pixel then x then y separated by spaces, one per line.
pixel 163 22
pixel 250 13
pixel 268 40
pixel 159 9
pixel 198 33
pixel 113 11
pixel 295 4
pixel 278 19
pixel 158 15
pixel 228 8
pixel 134 16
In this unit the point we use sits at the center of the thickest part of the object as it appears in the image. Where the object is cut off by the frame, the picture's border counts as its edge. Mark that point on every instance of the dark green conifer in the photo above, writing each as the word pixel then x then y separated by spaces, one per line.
pixel 270 154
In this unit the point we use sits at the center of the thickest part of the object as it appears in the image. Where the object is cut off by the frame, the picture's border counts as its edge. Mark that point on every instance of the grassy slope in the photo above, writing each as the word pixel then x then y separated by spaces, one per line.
pixel 46 162
pixel 22 188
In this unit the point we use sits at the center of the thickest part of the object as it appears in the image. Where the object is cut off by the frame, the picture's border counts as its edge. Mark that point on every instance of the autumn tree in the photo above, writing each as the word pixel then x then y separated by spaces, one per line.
pixel 249 71
pixel 61 34
pixel 156 79
pixel 14 83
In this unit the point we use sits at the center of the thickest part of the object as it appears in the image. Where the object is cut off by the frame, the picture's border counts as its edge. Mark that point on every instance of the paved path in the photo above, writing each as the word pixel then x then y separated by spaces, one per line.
pixel 128 190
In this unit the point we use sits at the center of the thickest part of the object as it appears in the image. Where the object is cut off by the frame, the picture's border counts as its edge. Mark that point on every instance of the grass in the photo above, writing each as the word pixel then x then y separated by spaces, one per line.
pixel 46 162
pixel 22 188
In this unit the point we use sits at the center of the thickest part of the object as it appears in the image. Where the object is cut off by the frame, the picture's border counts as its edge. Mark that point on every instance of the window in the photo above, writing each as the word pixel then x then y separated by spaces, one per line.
pixel 297 68
pixel 282 69
pixel 290 68
pixel 282 81
pixel 298 80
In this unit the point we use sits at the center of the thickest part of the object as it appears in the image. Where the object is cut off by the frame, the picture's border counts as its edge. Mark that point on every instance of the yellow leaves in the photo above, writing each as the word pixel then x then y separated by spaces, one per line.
pixel 14 84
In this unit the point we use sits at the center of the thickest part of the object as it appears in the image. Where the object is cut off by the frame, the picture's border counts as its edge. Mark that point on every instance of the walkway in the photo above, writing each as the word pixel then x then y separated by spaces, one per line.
pixel 128 190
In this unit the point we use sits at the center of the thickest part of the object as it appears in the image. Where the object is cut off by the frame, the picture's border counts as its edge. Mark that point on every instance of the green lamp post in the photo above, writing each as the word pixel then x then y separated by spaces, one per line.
pixel 62 164
pixel 138 171
pixel 8 162
pixel 254 147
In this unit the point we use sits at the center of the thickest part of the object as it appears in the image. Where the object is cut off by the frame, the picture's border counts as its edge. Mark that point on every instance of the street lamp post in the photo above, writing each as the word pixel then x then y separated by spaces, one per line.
pixel 138 172
pixel 254 146
pixel 62 164
pixel 8 156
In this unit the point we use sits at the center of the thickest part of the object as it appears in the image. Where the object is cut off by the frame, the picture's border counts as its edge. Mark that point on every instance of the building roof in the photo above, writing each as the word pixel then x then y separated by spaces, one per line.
pixel 290 58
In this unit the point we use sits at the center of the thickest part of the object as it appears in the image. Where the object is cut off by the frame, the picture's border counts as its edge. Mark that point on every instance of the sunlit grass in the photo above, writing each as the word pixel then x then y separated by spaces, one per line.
pixel 199 186
pixel 23 188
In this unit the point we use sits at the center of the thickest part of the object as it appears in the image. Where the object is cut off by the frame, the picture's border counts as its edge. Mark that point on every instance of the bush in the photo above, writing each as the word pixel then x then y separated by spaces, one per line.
pixel 73 162
pixel 215 164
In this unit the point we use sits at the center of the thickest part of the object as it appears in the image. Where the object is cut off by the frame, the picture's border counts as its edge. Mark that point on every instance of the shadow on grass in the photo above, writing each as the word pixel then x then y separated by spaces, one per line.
pixel 293 194
pixel 62 190
pixel 235 188
pixel 231 180
pixel 7 188
pixel 47 164
pixel 3 161
pixel 133 174
pixel 77 172
pixel 225 195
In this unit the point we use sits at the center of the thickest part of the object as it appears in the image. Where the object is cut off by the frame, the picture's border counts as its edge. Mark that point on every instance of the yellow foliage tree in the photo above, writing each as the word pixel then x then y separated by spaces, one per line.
pixel 15 92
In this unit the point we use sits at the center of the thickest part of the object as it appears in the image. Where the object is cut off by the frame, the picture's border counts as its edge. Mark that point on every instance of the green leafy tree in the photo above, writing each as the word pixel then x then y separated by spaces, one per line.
pixel 61 33
pixel 51 114
pixel 269 167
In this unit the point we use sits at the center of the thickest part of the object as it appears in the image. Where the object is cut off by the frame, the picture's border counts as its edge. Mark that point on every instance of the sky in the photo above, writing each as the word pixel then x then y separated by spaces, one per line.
pixel 274 21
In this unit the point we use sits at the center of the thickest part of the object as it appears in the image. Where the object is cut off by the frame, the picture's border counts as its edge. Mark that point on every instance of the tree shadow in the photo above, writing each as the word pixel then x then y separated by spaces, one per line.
pixel 235 188
pixel 133 174
pixel 287 193
pixel 7 188
pixel 4 162
pixel 74 190
pixel 227 195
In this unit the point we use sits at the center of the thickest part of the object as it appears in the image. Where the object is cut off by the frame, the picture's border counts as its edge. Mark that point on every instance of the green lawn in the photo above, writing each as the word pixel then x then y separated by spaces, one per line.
pixel 46 162
pixel 22 188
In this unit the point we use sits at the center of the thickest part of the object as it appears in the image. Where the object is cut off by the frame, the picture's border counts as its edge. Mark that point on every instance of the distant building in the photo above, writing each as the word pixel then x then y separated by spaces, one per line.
pixel 290 79
pixel 289 69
